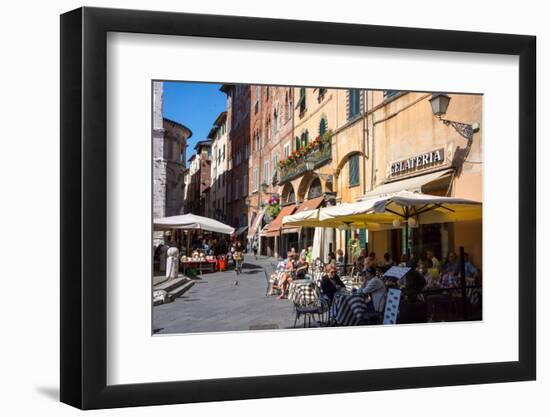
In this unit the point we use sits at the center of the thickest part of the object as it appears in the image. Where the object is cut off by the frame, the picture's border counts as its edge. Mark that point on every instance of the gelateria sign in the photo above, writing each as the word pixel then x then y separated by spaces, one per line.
pixel 418 162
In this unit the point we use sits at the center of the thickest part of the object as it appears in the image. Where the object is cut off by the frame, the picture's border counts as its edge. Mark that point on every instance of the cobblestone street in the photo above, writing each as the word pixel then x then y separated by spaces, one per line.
pixel 216 303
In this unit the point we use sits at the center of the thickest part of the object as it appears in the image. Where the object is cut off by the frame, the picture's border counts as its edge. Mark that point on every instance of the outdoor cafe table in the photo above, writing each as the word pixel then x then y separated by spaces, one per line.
pixel 348 309
pixel 303 292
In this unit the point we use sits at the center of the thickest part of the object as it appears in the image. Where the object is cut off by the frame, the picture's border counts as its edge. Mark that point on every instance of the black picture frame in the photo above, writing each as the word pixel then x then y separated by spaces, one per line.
pixel 84 207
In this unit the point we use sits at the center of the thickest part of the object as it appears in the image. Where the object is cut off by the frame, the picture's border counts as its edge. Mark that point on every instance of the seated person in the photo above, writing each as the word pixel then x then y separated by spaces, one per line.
pixel 451 265
pixel 340 256
pixel 301 267
pixel 423 270
pixel 331 258
pixel 388 261
pixel 286 276
pixel 375 288
pixel 412 309
pixel 371 260
pixel 404 260
pixel 330 283
pixel 469 269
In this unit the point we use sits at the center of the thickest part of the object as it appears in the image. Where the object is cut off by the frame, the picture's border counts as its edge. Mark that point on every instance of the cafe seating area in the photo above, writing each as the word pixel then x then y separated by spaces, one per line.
pixel 445 300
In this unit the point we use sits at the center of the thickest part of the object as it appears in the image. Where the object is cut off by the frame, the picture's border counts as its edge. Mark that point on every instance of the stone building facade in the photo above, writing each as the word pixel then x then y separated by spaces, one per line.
pixel 238 115
pixel 199 178
pixel 218 192
pixel 169 154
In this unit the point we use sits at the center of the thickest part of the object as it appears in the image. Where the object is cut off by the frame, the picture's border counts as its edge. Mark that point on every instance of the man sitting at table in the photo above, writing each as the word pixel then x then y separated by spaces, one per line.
pixel 330 283
pixel 375 288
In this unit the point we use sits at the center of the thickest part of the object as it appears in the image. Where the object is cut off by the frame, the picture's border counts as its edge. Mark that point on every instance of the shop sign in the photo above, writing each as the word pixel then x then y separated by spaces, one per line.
pixel 418 162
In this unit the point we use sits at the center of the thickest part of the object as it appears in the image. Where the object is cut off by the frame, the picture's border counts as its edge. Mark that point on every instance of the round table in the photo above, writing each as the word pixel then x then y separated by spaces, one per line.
pixel 303 292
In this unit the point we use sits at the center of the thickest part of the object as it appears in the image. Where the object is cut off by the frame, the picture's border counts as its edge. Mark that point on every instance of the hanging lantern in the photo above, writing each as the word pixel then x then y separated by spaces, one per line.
pixel 396 223
pixel 413 222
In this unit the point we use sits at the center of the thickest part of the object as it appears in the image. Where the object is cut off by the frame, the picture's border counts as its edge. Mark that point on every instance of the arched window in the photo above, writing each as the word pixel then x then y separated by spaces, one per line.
pixel 275 121
pixel 291 198
pixel 302 101
pixel 304 139
pixel 323 126
pixel 315 189
pixel 353 177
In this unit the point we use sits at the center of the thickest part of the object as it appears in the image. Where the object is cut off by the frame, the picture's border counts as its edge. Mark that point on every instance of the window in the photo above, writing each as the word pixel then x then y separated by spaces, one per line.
pixel 274 162
pixel 323 126
pixel 302 101
pixel 267 93
pixel 353 170
pixel 286 150
pixel 223 153
pixel 238 158
pixel 245 185
pixel 304 139
pixel 315 189
pixel 297 142
pixel 288 107
pixel 257 141
pixel 275 121
pixel 266 173
pixel 246 151
pixel 322 92
pixel 257 100
pixel 354 103
pixel 255 180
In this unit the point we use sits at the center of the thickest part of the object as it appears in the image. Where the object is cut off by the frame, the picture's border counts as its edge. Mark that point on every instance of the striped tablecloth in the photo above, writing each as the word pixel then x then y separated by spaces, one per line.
pixel 348 309
pixel 303 292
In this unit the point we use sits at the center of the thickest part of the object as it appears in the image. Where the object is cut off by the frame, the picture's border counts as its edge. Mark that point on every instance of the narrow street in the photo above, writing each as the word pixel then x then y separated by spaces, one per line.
pixel 216 303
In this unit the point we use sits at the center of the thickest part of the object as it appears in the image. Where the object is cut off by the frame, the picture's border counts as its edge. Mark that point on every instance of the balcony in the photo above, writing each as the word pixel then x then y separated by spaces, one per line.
pixel 319 152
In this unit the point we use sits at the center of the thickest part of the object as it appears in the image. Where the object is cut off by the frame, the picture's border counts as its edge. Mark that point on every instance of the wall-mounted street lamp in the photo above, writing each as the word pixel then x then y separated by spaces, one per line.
pixel 440 103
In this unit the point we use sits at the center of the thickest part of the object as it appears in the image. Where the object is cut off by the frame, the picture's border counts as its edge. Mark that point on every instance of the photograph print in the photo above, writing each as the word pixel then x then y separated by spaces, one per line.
pixel 301 207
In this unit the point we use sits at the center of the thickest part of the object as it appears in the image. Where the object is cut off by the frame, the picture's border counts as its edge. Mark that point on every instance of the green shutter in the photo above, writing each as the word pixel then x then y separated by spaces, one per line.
pixel 363 237
pixel 322 126
pixel 354 170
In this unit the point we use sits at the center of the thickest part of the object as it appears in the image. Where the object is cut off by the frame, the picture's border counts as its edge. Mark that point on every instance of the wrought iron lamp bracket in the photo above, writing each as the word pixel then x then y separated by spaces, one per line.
pixel 464 129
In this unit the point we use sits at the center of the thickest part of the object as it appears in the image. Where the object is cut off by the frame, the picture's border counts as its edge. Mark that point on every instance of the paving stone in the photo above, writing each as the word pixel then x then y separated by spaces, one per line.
pixel 216 304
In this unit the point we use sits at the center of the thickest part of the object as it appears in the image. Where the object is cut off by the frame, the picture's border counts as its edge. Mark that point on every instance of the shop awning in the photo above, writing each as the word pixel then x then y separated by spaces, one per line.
pixel 264 231
pixel 274 228
pixel 408 184
pixel 256 223
pixel 305 207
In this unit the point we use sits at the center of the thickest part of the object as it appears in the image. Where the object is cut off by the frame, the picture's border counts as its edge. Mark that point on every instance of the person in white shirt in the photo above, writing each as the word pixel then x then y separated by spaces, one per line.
pixel 375 288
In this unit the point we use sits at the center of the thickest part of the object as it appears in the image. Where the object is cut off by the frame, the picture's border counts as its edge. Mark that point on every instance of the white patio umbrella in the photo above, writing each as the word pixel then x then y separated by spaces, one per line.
pixel 192 222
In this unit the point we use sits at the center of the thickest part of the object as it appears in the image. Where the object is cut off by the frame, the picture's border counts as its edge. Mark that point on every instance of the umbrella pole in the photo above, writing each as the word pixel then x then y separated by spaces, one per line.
pixel 407 249
pixel 463 284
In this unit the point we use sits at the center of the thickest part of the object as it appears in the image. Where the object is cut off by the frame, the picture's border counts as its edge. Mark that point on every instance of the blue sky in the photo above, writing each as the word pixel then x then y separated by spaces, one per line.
pixel 195 105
